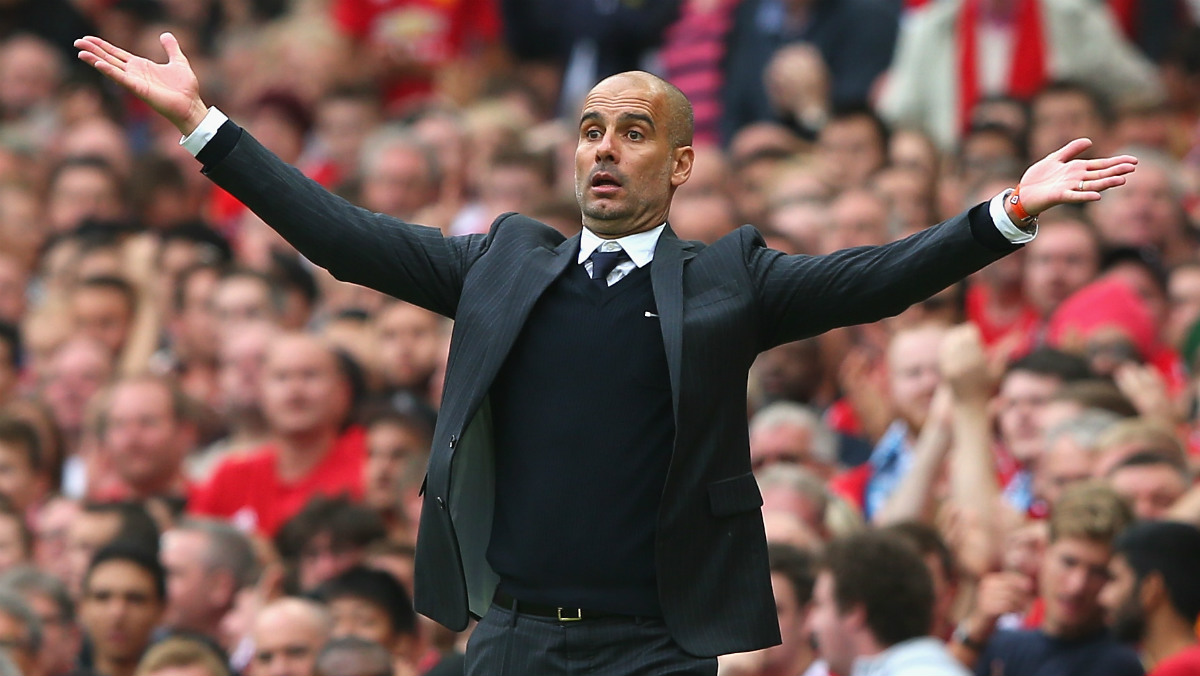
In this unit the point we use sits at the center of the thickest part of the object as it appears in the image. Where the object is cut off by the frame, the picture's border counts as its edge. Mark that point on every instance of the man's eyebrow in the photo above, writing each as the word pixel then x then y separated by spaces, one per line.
pixel 590 116
pixel 638 117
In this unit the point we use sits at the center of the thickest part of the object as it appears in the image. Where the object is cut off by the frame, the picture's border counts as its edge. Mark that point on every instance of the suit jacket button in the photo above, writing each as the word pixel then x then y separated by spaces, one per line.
pixel 453 440
pixel 441 503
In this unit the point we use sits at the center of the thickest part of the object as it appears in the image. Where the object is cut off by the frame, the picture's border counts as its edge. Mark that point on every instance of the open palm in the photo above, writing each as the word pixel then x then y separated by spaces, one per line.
pixel 1063 178
pixel 169 88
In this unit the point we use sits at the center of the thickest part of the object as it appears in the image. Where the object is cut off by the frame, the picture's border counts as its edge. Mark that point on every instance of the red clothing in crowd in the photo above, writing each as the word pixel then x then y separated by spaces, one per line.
pixel 247 490
pixel 1183 663
pixel 431 32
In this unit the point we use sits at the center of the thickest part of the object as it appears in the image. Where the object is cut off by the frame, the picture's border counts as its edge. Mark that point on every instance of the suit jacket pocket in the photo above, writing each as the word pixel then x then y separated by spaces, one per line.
pixel 735 495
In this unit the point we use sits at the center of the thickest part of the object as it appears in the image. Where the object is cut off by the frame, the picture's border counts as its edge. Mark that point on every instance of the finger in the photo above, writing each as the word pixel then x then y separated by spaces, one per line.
pixel 1106 162
pixel 1116 170
pixel 102 46
pixel 114 73
pixel 106 57
pixel 1072 149
pixel 171 44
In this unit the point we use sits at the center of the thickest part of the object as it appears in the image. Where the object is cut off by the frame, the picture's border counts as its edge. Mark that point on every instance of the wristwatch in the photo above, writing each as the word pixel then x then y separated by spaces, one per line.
pixel 1016 211
pixel 962 636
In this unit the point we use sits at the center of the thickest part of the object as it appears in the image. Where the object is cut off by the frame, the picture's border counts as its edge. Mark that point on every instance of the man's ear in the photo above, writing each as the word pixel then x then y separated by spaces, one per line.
pixel 681 166
pixel 1152 592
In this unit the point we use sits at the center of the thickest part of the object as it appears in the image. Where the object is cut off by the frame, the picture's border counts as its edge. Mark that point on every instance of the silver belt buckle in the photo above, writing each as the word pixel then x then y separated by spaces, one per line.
pixel 567 618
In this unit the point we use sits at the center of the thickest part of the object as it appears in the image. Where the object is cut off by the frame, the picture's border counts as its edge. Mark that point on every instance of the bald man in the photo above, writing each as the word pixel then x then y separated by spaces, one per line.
pixel 288 636
pixel 589 491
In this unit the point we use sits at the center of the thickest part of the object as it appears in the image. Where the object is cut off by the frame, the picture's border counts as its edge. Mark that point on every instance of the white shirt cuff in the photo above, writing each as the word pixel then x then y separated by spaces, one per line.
pixel 201 135
pixel 1005 225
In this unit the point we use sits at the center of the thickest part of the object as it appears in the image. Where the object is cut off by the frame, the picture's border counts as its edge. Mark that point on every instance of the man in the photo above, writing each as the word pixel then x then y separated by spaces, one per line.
pixel 372 605
pixel 99 524
pixel 123 596
pixel 288 636
pixel 353 656
pixel 658 478
pixel 1071 454
pixel 305 398
pixel 146 431
pixel 1072 639
pixel 1153 596
pixel 1151 482
pixel 791 433
pixel 207 564
pixel 20 633
pixel 47 596
pixel 327 537
pixel 103 309
pixel 177 656
pixel 868 623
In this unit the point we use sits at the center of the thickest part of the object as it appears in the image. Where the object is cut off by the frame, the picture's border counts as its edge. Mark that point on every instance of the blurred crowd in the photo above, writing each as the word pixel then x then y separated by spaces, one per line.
pixel 212 452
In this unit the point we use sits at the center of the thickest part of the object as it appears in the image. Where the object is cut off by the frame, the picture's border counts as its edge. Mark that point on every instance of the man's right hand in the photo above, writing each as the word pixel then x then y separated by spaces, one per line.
pixel 169 88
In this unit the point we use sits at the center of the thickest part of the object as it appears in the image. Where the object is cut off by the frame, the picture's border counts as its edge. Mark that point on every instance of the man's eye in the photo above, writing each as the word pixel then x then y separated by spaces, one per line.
pixel 635 135
pixel 593 134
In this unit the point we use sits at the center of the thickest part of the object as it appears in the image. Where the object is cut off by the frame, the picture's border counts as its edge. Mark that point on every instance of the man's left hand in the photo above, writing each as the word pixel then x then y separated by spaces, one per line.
pixel 1061 178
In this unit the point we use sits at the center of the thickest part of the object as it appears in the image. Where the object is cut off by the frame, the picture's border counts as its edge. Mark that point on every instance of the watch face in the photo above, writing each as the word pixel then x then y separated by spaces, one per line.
pixel 1014 198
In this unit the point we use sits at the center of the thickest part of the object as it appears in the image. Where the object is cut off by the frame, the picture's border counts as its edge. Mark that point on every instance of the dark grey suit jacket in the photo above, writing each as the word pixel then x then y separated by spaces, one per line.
pixel 719 306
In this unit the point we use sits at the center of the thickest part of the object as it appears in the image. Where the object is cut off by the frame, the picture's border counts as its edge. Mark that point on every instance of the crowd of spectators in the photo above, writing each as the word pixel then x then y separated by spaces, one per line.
pixel 212 452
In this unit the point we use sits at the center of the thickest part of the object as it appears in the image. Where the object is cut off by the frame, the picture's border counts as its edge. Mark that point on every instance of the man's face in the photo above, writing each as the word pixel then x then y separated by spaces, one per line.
pixel 788 443
pixel 12 547
pixel 120 609
pixel 830 627
pixel 790 371
pixel 103 315
pixel 285 645
pixel 1060 261
pixel 80 193
pixel 324 558
pixel 86 534
pixel 626 170
pixel 302 389
pixel 1023 394
pixel 388 447
pixel 850 150
pixel 1143 212
pixel 913 372
pixel 60 637
pixel 409 338
pixel 1073 572
pixel 76 372
pixel 1123 609
pixel 241 299
pixel 1151 489
pixel 18 482
pixel 1058 118
pixel 399 184
pixel 239 376
pixel 361 619
pixel 1065 463
pixel 14 638
pixel 197 320
pixel 793 620
pixel 191 605
pixel 858 219
pixel 143 437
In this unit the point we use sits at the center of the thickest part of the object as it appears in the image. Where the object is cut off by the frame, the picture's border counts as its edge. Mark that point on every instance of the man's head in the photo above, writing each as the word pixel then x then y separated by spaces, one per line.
pixel 852 146
pixel 913 371
pixel 409 338
pixel 400 173
pixel 792 579
pixel 77 370
pixel 304 390
pixel 103 309
pixel 859 612
pixel 397 453
pixel 1151 482
pixel 243 297
pixel 207 563
pixel 147 429
pixel 23 477
pixel 20 632
pixel 240 360
pixel 791 433
pixel 1063 258
pixel 288 635
pixel 124 592
pixel 328 536
pixel 1070 455
pixel 1147 211
pixel 1028 385
pixel 792 371
pixel 1063 111
pixel 372 605
pixel 1153 578
pixel 179 656
pixel 99 524
pixel 47 596
pixel 634 151
pixel 1083 525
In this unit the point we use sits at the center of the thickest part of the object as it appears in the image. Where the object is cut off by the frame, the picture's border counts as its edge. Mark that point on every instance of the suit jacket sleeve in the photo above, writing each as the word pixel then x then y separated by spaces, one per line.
pixel 411 262
pixel 803 296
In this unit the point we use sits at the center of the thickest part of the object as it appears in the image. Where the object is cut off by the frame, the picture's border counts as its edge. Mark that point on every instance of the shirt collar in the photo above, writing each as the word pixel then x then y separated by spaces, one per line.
pixel 639 247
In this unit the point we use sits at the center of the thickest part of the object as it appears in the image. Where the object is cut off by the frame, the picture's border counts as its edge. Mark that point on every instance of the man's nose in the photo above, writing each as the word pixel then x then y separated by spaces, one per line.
pixel 606 149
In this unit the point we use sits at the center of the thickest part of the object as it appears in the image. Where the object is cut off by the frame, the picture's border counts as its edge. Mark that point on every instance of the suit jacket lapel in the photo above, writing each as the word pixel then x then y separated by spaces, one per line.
pixel 666 276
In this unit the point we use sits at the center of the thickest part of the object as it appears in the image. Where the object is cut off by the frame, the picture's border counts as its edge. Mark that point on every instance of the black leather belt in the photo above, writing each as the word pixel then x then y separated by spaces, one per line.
pixel 553 612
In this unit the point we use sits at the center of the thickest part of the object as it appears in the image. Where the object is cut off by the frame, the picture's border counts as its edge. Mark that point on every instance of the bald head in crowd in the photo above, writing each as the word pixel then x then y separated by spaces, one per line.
pixel 288 635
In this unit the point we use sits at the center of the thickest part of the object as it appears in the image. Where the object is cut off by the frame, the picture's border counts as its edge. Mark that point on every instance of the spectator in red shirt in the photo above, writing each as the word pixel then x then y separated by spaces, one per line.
pixel 306 398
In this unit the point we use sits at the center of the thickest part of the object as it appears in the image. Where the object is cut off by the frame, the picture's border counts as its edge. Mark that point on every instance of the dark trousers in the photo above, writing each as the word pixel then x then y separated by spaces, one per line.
pixel 507 643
